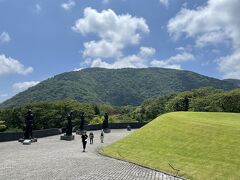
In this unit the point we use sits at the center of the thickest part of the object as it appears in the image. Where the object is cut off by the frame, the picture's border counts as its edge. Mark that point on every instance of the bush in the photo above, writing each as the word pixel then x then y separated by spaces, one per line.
pixel 3 127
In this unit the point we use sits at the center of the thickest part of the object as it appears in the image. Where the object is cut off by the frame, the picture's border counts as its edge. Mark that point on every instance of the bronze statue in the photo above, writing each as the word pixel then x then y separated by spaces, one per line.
pixel 82 121
pixel 69 124
pixel 105 121
pixel 29 125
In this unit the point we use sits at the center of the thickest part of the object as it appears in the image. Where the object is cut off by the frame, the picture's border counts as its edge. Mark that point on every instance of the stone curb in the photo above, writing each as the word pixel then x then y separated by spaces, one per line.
pixel 99 152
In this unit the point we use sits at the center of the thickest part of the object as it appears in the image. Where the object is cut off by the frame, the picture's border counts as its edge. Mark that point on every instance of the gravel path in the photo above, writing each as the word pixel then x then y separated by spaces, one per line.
pixel 51 158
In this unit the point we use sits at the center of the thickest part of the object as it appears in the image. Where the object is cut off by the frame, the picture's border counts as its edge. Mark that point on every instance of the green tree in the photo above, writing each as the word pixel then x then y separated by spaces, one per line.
pixel 3 127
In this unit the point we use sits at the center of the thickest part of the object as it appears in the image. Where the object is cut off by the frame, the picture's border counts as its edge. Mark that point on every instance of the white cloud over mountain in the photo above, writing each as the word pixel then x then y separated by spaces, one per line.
pixel 22 86
pixel 12 66
pixel 216 22
pixel 115 32
pixel 102 48
pixel 139 60
pixel 174 62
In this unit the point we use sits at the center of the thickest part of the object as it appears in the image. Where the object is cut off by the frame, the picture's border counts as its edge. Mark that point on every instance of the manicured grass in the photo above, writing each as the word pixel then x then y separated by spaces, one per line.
pixel 201 145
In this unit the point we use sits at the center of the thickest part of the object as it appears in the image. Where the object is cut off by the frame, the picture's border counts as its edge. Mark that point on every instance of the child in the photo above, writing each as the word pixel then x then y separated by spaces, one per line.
pixel 102 136
pixel 91 135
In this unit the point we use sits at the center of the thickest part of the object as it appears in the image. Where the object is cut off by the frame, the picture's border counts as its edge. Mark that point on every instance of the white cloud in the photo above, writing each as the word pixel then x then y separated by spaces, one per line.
pixel 9 65
pixel 174 62
pixel 164 2
pixel 115 32
pixel 211 38
pixel 217 17
pixel 230 65
pixel 142 59
pixel 132 61
pixel 180 48
pixel 139 60
pixel 68 5
pixel 146 51
pixel 216 22
pixel 106 1
pixel 4 37
pixel 38 8
pixel 101 48
pixel 22 86
pixel 180 58
pixel 78 69
pixel 165 64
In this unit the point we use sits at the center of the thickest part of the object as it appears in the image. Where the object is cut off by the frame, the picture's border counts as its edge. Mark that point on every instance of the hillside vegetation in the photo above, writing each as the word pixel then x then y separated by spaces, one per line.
pixel 200 145
pixel 115 86
pixel 203 100
pixel 52 114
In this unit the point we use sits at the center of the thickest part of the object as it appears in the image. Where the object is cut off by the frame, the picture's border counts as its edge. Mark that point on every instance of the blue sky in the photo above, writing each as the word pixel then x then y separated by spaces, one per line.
pixel 42 38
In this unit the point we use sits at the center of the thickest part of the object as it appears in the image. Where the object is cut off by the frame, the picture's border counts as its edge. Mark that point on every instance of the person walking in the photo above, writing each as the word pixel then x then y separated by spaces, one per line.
pixel 91 136
pixel 102 136
pixel 84 140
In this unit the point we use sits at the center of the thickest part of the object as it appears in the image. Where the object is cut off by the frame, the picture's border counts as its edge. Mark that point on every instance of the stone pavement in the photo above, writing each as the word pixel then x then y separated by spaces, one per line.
pixel 50 158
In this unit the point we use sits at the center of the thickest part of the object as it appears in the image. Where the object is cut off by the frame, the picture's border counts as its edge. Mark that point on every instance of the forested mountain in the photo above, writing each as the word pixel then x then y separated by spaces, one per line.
pixel 236 82
pixel 116 86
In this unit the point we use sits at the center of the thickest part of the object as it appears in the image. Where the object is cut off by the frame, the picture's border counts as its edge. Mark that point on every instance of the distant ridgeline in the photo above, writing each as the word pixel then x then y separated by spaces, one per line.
pixel 116 86
pixel 199 100
pixel 53 114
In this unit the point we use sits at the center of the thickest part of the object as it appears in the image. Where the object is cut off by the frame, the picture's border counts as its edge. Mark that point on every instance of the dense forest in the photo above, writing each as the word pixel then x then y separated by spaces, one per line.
pixel 199 100
pixel 116 86
pixel 52 114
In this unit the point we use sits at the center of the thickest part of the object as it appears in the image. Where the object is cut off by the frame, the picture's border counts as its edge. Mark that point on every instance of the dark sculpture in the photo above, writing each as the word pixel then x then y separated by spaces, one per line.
pixel 82 119
pixel 69 124
pixel 68 135
pixel 29 125
pixel 105 121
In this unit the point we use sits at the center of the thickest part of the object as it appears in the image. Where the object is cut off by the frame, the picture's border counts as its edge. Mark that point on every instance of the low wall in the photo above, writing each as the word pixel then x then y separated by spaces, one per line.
pixel 114 126
pixel 11 136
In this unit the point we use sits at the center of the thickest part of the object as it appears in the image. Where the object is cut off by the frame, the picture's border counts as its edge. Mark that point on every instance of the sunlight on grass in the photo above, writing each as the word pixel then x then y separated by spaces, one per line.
pixel 200 145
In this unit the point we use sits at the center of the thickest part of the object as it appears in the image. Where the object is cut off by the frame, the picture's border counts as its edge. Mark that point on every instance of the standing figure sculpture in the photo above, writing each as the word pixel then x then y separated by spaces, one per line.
pixel 69 124
pixel 68 136
pixel 28 134
pixel 82 121
pixel 105 124
pixel 29 125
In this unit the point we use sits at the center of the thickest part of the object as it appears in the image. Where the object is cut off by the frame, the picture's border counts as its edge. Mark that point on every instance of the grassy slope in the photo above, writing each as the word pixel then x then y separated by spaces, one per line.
pixel 201 145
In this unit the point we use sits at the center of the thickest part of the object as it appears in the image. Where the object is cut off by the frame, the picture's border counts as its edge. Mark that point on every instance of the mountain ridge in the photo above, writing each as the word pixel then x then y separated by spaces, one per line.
pixel 127 86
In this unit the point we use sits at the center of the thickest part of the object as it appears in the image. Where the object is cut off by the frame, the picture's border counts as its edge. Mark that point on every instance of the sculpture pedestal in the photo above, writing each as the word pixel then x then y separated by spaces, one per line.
pixel 106 130
pixel 27 141
pixel 32 140
pixel 67 138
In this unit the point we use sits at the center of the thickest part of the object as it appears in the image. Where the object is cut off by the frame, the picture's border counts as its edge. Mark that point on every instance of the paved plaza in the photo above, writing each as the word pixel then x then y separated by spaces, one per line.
pixel 50 158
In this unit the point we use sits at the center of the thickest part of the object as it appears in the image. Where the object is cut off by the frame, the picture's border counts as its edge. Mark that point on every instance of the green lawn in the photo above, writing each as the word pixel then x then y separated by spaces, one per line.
pixel 202 145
